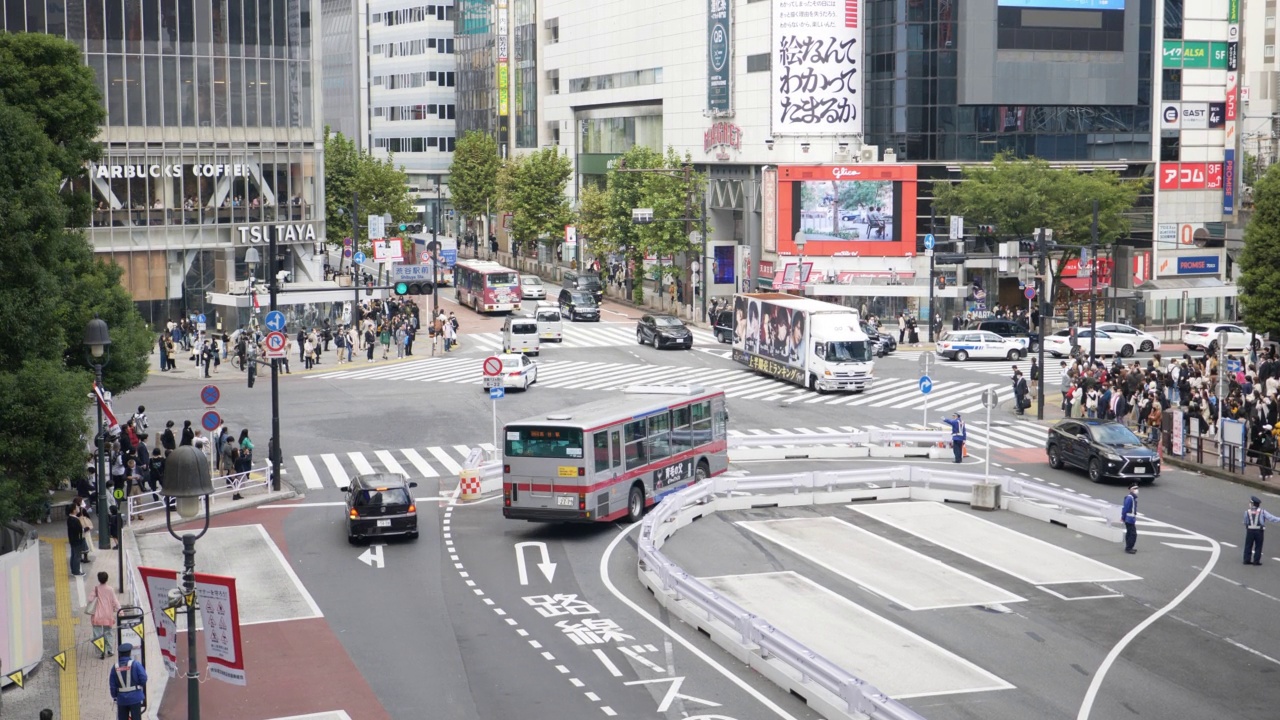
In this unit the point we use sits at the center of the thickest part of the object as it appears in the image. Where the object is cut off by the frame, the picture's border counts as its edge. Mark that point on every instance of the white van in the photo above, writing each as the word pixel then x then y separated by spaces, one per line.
pixel 550 326
pixel 520 335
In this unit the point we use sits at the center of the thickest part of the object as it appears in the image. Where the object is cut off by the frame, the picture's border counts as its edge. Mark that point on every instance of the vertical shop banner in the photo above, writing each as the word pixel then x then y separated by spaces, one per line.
pixel 769 211
pixel 719 55
pixel 1233 56
pixel 504 85
pixel 817 67
pixel 1229 181
pixel 219 621
pixel 1231 108
pixel 1233 12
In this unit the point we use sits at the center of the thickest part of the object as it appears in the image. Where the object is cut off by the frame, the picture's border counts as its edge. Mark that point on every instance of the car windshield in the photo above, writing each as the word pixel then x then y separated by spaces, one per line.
pixel 849 351
pixel 524 328
pixel 526 280
pixel 589 282
pixel 374 497
pixel 661 321
pixel 548 315
pixel 1115 434
pixel 583 299
pixel 512 363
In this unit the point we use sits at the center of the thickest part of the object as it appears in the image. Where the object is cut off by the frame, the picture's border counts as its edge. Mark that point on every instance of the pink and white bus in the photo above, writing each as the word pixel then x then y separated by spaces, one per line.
pixel 486 286
pixel 613 458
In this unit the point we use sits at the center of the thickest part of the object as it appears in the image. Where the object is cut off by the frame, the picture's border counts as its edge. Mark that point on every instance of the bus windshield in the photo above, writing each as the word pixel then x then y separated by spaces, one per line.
pixel 506 279
pixel 849 351
pixel 544 442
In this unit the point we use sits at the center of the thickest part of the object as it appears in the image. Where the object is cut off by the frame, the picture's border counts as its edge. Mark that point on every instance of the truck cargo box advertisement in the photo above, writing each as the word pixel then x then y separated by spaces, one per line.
pixel 807 342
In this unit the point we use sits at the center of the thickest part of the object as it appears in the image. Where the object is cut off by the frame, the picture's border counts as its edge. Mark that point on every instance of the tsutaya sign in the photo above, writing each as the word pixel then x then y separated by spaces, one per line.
pixel 172 171
pixel 285 233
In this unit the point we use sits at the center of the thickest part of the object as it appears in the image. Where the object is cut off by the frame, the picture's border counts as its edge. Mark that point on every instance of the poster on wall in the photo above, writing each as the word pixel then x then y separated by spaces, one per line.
pixel 719 55
pixel 817 68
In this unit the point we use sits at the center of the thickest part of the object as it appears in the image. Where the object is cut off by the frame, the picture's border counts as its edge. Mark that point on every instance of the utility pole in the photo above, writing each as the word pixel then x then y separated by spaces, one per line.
pixel 355 248
pixel 932 320
pixel 1042 247
pixel 1093 285
pixel 273 447
pixel 435 256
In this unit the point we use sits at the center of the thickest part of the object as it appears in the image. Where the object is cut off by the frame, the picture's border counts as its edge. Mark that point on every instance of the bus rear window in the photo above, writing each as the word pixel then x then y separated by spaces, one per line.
pixel 549 442
pixel 502 279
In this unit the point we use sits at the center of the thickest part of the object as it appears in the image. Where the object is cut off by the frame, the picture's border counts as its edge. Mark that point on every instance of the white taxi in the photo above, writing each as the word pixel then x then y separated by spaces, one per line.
pixel 1205 336
pixel 980 345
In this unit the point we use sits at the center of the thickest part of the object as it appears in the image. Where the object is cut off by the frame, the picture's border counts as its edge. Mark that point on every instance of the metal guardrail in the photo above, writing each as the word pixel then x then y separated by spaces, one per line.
pixel 857 695
pixel 143 503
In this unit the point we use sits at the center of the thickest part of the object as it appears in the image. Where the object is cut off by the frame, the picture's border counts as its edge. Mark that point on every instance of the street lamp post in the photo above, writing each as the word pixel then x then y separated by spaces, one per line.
pixel 800 240
pixel 97 339
pixel 1093 285
pixel 188 482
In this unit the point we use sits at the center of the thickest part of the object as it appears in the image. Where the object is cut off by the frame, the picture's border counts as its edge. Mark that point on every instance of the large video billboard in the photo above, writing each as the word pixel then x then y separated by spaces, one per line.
pixel 1064 4
pixel 847 209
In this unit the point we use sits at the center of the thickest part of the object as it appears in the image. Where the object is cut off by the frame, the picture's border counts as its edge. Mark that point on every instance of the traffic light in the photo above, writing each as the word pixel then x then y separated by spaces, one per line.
pixel 402 288
pixel 948 258
pixel 942 282
pixel 414 288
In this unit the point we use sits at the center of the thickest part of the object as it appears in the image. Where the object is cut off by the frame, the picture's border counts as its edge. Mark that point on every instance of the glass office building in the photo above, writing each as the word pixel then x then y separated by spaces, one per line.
pixel 211 142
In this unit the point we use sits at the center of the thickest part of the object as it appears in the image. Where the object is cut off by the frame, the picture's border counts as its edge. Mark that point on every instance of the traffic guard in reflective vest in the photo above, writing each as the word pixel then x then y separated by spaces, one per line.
pixel 128 683
pixel 958 435
pixel 1255 520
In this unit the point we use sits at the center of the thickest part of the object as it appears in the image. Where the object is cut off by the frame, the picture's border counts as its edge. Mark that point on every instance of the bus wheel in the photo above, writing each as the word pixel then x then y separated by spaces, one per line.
pixel 702 472
pixel 635 503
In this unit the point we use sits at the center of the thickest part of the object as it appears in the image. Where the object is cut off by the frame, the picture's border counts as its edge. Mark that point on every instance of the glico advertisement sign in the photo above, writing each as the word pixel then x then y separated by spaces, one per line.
pixel 847 210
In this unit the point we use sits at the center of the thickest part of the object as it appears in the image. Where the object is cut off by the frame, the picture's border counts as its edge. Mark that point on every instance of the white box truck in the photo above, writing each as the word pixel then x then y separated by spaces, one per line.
pixel 814 344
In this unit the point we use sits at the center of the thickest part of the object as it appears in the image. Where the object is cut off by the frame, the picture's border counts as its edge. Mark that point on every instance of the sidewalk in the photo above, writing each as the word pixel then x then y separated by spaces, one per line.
pixel 227 372
pixel 80 691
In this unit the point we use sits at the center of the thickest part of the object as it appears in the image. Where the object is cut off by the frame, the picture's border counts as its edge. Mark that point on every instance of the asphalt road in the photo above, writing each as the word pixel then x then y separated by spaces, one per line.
pixel 447 623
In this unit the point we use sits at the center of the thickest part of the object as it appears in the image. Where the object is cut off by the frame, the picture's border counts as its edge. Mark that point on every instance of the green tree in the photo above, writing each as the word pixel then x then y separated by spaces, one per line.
pixel 1260 260
pixel 382 187
pixel 595 224
pixel 473 176
pixel 676 198
pixel 626 191
pixel 532 188
pixel 1019 196
pixel 51 283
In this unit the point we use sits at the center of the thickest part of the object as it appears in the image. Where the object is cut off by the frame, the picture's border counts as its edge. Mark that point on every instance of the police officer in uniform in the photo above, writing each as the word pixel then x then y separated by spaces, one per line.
pixel 1129 515
pixel 958 435
pixel 1255 520
pixel 128 681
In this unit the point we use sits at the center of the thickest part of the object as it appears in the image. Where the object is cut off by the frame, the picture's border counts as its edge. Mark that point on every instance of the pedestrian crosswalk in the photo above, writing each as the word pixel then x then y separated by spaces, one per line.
pixel 335 469
pixel 898 393
pixel 1001 368
pixel 581 335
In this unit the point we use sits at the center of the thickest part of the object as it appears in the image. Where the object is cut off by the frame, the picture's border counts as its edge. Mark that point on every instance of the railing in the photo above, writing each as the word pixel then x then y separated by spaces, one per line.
pixel 226 484
pixel 857 695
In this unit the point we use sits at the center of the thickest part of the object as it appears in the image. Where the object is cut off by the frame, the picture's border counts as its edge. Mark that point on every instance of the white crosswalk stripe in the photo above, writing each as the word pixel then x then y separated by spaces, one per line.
pixel 447 461
pixel 898 393
pixel 582 335
pixel 1002 368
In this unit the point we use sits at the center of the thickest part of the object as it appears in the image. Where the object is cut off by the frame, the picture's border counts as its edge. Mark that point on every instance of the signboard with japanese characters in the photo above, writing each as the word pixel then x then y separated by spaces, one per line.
pixel 1190 176
pixel 719 56
pixel 817 67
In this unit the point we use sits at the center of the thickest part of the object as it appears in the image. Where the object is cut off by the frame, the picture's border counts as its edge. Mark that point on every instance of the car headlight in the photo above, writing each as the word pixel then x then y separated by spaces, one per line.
pixel 1110 455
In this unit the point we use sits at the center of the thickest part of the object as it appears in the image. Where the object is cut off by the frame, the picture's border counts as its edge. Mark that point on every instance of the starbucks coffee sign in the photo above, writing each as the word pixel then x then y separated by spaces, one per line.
pixel 212 170
pixel 286 233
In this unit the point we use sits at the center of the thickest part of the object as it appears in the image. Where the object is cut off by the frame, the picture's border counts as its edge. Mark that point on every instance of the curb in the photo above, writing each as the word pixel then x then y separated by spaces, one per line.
pixel 1219 473
pixel 158 523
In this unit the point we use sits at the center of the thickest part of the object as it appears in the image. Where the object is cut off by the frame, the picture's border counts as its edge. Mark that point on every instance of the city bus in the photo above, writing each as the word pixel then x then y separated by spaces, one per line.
pixel 486 286
pixel 611 459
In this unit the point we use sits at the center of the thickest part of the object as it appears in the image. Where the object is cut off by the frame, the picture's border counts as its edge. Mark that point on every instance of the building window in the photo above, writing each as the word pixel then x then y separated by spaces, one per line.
pixel 1171 147
pixel 1271 21
pixel 1172 85
pixel 1173 19
pixel 758 63
pixel 1268 51
pixel 652 76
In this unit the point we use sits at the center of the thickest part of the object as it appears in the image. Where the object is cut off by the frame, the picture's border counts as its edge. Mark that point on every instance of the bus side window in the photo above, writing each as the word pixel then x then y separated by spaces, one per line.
pixel 702 422
pixel 636 455
pixel 659 440
pixel 615 439
pixel 681 437
pixel 600 446
pixel 721 422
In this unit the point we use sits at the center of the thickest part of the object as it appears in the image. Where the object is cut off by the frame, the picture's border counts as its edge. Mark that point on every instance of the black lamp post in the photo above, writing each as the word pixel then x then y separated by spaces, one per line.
pixel 188 481
pixel 97 341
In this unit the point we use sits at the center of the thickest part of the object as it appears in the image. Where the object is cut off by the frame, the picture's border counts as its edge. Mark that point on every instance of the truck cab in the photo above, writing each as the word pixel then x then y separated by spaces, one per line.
pixel 841 355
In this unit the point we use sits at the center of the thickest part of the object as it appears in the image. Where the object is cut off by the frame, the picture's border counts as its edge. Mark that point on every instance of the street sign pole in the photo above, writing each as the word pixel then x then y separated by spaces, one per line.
pixel 989 398
pixel 926 364
pixel 273 445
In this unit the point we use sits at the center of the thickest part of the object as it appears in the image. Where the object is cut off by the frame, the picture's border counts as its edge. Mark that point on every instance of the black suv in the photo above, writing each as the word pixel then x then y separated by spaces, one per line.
pixel 588 281
pixel 1009 329
pixel 1105 448
pixel 722 325
pixel 380 505
pixel 579 305
pixel 663 331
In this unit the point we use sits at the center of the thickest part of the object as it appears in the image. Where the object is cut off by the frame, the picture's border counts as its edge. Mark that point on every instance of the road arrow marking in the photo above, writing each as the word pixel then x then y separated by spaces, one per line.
pixel 373 557
pixel 547 567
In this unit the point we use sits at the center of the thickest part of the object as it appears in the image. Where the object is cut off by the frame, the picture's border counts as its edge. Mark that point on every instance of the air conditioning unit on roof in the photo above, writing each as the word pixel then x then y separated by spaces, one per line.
pixel 869 154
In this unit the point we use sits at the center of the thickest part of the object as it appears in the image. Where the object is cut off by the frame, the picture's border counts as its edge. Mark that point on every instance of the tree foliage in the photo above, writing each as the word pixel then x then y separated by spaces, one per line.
pixel 382 187
pixel 1260 261
pixel 1019 196
pixel 51 284
pixel 532 188
pixel 473 176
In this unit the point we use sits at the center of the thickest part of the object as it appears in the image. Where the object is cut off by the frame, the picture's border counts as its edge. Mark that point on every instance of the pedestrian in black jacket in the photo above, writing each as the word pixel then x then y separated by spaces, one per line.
pixel 187 433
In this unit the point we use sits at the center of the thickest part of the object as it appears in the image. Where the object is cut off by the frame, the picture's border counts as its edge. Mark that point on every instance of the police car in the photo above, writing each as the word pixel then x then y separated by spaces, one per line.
pixel 980 345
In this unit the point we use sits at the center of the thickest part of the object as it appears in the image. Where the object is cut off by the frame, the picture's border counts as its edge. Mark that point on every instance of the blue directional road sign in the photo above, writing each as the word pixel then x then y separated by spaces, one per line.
pixel 930 241
pixel 926 384
pixel 497 393
pixel 275 321
pixel 359 258
pixel 200 318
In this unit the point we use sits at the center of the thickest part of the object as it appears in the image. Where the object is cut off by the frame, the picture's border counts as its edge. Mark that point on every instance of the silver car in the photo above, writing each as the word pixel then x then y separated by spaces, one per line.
pixel 531 288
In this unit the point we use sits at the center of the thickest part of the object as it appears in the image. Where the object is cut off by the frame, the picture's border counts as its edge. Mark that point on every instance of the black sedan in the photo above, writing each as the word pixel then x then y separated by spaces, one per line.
pixel 663 331
pixel 1104 448
pixel 380 505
